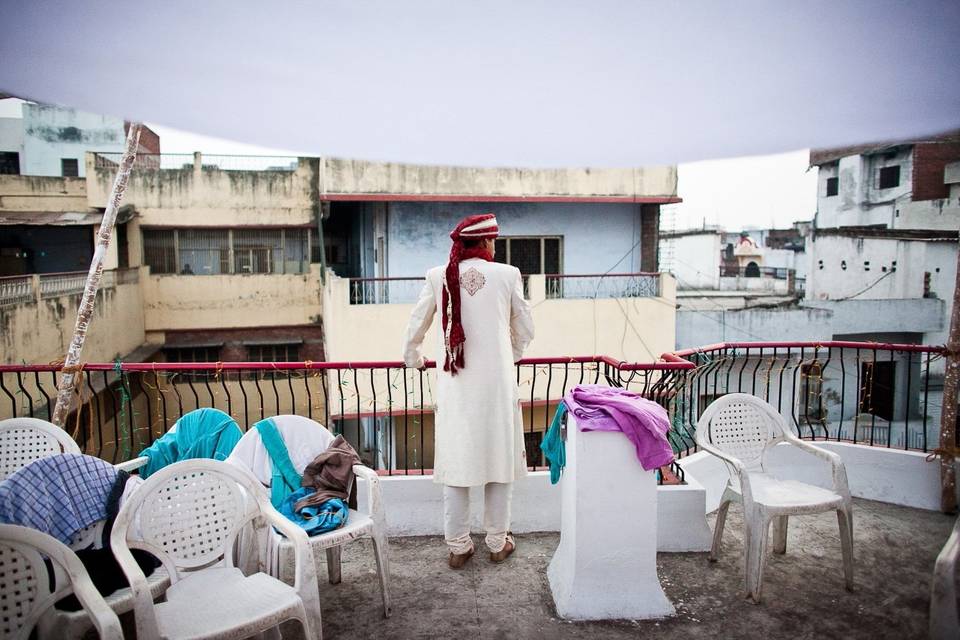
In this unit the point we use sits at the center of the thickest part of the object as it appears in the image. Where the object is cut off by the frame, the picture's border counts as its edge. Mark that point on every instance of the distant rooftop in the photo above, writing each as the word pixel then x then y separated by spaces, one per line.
pixel 826 156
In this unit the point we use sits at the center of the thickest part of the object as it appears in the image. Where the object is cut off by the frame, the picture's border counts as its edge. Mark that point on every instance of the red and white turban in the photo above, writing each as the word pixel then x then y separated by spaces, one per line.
pixel 477 227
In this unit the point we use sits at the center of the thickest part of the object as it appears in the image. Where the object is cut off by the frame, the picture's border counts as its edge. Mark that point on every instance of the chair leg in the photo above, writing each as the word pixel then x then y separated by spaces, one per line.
pixel 333 564
pixel 845 518
pixel 383 570
pixel 718 530
pixel 780 534
pixel 756 551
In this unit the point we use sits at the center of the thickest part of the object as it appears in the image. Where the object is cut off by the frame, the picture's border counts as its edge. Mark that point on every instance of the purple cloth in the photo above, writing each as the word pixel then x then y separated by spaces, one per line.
pixel 645 423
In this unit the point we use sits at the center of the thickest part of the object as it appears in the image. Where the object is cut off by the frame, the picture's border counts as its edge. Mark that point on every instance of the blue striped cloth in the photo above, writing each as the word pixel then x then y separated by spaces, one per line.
pixel 58 495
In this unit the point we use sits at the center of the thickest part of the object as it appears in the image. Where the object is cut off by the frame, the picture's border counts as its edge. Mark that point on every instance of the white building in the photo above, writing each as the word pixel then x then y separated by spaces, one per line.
pixel 51 141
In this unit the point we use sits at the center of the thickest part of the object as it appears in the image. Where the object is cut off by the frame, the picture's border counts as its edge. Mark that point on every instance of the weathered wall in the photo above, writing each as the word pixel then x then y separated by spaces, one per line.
pixel 595 235
pixel 211 197
pixel 860 201
pixel 842 266
pixel 52 133
pixel 361 177
pixel 40 193
pixel 229 301
pixel 39 332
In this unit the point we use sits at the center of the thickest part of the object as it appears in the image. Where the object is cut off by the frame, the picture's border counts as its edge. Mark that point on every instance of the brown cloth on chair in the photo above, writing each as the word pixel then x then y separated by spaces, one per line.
pixel 330 473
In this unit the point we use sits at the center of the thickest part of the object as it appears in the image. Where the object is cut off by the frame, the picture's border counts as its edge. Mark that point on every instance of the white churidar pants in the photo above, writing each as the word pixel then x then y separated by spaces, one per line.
pixel 496 516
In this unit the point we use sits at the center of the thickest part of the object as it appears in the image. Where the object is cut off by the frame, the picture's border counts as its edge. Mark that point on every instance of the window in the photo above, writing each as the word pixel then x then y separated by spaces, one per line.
pixel 275 352
pixel 69 167
pixel 811 392
pixel 833 186
pixel 209 251
pixel 9 163
pixel 890 177
pixel 159 250
pixel 198 353
pixel 878 388
pixel 531 255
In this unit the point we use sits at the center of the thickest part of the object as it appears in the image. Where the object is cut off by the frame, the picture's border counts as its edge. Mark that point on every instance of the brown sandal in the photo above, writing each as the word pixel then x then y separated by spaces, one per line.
pixel 504 553
pixel 457 560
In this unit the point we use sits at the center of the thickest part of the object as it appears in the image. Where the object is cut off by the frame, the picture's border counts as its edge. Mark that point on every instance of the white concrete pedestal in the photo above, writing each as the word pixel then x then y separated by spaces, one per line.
pixel 606 564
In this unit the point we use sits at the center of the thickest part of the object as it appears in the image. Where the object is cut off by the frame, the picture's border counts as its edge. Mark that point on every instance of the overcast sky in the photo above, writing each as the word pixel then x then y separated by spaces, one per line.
pixel 757 191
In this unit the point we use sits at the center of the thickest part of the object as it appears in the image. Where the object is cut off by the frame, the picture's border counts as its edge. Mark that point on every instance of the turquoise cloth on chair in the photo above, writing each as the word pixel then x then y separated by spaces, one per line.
pixel 315 519
pixel 284 479
pixel 202 433
pixel 553 446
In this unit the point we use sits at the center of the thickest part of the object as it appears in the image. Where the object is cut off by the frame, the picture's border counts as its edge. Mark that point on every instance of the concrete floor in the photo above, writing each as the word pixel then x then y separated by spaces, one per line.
pixel 804 597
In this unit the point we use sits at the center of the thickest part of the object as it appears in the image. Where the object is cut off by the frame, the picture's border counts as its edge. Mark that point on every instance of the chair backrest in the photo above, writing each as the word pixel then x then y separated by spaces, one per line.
pixel 304 438
pixel 189 515
pixel 741 426
pixel 25 583
pixel 23 440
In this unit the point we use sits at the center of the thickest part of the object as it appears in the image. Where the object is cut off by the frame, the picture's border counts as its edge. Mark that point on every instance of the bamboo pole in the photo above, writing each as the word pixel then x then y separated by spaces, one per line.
pixel 71 364
pixel 948 414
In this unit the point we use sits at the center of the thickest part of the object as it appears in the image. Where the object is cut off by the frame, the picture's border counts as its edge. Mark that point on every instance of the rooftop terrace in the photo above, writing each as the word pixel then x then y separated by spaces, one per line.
pixel 895 548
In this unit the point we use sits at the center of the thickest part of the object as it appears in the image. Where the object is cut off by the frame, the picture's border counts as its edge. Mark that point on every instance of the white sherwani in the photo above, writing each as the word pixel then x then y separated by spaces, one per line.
pixel 478 422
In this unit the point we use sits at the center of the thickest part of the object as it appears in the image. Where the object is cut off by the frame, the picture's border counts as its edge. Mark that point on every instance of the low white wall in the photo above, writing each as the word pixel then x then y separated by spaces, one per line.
pixel 414 507
pixel 874 473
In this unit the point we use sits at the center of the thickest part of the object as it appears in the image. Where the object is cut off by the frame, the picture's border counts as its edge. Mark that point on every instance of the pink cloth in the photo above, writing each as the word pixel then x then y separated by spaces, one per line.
pixel 645 423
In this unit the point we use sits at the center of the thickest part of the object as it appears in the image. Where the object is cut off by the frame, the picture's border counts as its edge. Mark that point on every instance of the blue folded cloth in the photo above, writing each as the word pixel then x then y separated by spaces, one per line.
pixel 315 519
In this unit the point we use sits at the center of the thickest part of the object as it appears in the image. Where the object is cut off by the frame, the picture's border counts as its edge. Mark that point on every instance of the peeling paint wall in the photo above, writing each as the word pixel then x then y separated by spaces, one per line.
pixel 51 133
pixel 212 197
pixel 39 332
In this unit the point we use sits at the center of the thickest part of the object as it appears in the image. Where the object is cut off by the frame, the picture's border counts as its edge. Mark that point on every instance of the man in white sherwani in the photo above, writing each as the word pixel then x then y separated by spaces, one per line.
pixel 485 326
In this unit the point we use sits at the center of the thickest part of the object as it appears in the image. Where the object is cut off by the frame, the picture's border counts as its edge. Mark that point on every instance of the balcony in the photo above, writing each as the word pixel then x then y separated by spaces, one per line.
pixel 877 405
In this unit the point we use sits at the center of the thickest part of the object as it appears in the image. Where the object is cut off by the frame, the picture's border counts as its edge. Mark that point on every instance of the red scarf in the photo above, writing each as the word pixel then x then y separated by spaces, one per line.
pixel 454 337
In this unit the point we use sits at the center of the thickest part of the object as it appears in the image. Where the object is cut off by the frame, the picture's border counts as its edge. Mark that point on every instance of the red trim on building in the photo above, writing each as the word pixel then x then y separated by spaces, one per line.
pixel 405 197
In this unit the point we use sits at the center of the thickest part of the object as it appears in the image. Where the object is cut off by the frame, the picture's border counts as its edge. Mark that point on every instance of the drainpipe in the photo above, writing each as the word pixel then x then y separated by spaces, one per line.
pixel 321 210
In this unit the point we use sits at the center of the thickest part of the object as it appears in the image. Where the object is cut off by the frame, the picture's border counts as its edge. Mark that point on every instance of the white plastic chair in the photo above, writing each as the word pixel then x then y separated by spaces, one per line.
pixel 189 515
pixel 741 429
pixel 23 440
pixel 25 584
pixel 305 440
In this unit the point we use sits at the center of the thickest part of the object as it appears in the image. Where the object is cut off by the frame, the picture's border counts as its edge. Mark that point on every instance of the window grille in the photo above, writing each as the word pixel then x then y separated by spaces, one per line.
pixel 205 353
pixel 10 163
pixel 890 177
pixel 208 251
pixel 284 352
pixel 69 167
pixel 531 254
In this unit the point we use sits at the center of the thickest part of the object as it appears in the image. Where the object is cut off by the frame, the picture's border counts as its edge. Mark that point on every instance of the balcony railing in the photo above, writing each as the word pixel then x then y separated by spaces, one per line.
pixel 19 289
pixel 885 395
pixel 385 290
pixel 612 285
pixel 16 289
pixel 777 273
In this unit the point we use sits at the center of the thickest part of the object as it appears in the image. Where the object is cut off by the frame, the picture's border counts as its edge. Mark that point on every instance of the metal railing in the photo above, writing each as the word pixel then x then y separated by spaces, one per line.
pixel 886 395
pixel 16 289
pixel 613 285
pixel 385 290
pixel 383 408
pixel 187 161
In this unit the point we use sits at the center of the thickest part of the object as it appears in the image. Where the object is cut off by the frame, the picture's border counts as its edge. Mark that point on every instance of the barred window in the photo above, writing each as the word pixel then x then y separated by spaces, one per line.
pixel 277 352
pixel 221 251
pixel 200 353
pixel 531 254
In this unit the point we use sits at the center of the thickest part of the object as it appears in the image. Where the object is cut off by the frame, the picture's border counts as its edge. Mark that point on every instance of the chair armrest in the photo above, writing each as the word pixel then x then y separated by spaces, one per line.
pixel 730 460
pixel 374 495
pixel 132 465
pixel 305 570
pixel 836 462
